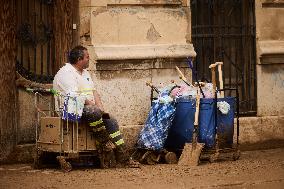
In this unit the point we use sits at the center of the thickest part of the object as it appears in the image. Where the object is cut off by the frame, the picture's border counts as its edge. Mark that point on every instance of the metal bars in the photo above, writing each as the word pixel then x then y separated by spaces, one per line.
pixel 224 30
pixel 35 39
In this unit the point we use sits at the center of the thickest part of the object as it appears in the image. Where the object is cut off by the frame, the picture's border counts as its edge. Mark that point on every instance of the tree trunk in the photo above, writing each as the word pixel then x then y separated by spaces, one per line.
pixel 7 78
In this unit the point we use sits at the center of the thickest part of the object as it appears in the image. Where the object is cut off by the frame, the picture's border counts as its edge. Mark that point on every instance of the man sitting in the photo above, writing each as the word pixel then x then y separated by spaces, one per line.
pixel 74 80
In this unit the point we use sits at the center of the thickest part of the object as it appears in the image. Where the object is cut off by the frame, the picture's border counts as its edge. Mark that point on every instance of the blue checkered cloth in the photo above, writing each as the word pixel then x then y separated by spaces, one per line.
pixel 155 131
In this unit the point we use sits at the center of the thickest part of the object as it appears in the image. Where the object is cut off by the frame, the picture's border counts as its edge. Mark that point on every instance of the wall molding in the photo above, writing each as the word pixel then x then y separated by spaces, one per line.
pixel 138 2
pixel 271 52
pixel 124 52
pixel 273 4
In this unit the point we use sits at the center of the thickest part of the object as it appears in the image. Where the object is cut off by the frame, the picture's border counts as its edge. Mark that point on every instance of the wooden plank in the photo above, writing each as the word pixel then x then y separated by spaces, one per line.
pixel 62 20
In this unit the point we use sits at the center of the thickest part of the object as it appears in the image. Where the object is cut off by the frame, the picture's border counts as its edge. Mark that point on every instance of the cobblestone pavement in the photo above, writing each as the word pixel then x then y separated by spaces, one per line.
pixel 255 169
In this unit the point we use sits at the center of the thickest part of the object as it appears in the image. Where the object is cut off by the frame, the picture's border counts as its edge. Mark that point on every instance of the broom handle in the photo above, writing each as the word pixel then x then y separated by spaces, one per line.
pixel 181 76
pixel 197 108
pixel 195 130
pixel 221 79
pixel 148 83
pixel 213 80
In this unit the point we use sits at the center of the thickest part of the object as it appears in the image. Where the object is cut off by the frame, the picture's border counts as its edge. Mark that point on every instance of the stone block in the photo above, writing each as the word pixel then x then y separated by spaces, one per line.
pixel 138 25
pixel 27 117
pixel 85 25
pixel 270 90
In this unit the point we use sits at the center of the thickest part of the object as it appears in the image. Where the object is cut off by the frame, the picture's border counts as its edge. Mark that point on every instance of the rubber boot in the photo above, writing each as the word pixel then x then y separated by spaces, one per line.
pixel 123 159
pixel 121 155
pixel 112 128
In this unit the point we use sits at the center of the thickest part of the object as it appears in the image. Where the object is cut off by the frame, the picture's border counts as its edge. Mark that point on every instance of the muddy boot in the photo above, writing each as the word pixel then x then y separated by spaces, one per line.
pixel 123 159
pixel 112 128
pixel 121 155
pixel 107 156
pixel 65 166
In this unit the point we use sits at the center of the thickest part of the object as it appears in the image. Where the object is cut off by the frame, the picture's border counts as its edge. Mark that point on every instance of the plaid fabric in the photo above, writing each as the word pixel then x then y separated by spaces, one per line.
pixel 155 131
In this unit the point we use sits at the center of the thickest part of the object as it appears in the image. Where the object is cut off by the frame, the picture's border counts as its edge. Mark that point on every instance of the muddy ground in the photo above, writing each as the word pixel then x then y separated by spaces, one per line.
pixel 255 169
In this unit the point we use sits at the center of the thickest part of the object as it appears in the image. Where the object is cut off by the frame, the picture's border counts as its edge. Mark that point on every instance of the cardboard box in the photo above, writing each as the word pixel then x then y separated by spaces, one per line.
pixel 75 137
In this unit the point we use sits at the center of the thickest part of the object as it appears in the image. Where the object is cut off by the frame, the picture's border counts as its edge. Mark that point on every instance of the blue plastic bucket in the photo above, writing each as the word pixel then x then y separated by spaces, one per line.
pixel 225 124
pixel 183 124
pixel 182 127
pixel 206 123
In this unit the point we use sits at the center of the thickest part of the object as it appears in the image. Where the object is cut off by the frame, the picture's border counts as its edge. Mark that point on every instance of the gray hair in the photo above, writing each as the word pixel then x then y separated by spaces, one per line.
pixel 77 53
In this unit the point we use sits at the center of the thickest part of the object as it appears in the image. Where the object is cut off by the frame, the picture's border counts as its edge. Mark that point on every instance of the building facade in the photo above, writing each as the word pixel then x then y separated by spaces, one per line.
pixel 135 41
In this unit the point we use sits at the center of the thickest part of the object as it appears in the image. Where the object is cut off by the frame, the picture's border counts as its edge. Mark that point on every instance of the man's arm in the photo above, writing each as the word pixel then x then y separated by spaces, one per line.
pixel 97 101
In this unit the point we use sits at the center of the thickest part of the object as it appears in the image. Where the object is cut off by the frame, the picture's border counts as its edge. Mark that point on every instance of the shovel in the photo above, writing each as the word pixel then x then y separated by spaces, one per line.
pixel 191 151
pixel 215 156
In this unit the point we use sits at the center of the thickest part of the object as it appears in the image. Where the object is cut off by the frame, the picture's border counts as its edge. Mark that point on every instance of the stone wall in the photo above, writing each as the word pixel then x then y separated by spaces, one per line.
pixel 270 53
pixel 132 42
pixel 123 90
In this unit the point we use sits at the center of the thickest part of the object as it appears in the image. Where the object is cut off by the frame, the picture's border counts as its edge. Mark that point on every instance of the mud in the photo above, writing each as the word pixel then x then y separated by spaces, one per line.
pixel 255 169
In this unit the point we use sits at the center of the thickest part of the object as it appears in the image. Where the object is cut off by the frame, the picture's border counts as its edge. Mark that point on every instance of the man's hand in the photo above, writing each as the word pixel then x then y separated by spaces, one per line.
pixel 93 102
pixel 90 102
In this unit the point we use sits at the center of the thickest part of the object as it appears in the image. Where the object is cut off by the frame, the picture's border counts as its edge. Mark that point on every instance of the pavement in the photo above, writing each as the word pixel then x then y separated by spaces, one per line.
pixel 254 169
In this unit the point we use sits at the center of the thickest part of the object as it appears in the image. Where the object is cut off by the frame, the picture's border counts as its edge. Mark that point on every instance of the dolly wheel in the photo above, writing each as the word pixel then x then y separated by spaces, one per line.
pixel 171 158
pixel 65 166
pixel 236 155
pixel 136 155
pixel 151 159
pixel 37 160
pixel 214 157
pixel 37 163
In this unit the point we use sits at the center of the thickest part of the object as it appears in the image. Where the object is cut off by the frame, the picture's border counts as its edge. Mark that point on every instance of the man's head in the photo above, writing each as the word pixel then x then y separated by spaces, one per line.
pixel 79 56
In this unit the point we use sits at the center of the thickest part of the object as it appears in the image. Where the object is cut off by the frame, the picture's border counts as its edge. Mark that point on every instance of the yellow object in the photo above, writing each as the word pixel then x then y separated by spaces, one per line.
pixel 96 123
pixel 119 142
pixel 115 134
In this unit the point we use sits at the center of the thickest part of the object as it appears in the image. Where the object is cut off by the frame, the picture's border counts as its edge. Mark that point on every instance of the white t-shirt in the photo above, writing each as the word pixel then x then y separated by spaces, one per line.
pixel 69 82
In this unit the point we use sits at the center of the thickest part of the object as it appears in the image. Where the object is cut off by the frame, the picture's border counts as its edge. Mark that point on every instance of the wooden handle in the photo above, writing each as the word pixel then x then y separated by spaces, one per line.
pixel 215 64
pixel 213 73
pixel 148 83
pixel 202 84
pixel 181 76
pixel 221 79
pixel 197 107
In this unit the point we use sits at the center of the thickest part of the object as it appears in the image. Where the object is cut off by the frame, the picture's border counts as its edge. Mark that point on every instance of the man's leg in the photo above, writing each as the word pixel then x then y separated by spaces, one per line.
pixel 121 154
pixel 117 139
pixel 97 119
pixel 94 115
pixel 91 114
